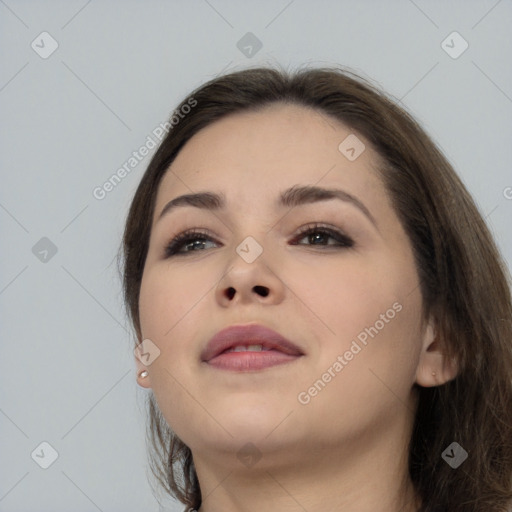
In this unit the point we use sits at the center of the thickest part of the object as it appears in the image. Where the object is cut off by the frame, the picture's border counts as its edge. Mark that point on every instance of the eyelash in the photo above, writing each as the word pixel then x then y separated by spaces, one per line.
pixel 344 242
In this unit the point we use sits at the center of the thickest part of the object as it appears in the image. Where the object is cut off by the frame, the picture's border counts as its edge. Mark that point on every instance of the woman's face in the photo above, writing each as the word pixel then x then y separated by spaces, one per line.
pixel 350 303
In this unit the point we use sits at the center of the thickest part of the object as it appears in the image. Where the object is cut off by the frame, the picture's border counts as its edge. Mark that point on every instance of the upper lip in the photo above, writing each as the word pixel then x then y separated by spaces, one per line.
pixel 244 335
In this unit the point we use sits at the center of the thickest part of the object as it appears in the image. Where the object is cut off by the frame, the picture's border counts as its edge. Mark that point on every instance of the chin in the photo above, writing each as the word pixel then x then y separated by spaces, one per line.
pixel 244 422
pixel 254 417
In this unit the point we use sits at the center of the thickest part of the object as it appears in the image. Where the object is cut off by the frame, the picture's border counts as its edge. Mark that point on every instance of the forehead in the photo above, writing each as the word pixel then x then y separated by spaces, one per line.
pixel 257 154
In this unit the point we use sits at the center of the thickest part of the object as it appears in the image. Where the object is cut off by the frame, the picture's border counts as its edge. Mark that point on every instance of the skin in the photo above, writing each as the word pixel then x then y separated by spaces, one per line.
pixel 346 449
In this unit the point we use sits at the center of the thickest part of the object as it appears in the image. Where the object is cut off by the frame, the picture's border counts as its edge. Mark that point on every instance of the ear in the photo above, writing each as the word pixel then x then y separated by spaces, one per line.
pixel 143 382
pixel 435 368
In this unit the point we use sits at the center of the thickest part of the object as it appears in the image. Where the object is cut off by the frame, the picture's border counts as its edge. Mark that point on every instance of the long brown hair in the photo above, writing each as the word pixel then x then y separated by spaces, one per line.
pixel 464 283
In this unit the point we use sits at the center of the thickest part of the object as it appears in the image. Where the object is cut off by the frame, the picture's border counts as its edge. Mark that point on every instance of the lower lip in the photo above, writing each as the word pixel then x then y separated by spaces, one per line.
pixel 250 361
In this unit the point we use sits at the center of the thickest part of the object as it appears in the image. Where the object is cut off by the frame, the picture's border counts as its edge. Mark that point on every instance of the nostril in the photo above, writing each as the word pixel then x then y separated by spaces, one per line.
pixel 262 290
pixel 230 293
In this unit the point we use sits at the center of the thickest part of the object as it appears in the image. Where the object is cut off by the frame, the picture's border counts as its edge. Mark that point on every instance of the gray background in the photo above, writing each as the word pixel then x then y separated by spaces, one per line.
pixel 69 121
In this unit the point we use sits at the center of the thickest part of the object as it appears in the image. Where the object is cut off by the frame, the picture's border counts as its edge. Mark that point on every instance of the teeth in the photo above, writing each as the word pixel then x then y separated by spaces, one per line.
pixel 248 348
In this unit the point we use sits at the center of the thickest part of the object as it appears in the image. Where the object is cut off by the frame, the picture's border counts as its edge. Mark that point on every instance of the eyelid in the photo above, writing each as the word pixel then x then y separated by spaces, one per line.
pixel 335 233
pixel 185 235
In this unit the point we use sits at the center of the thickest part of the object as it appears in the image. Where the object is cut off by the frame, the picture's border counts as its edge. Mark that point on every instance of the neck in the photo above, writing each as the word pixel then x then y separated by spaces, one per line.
pixel 362 478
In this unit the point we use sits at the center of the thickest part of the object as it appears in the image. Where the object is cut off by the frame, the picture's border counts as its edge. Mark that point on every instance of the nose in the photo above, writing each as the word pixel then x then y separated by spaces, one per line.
pixel 246 283
pixel 262 291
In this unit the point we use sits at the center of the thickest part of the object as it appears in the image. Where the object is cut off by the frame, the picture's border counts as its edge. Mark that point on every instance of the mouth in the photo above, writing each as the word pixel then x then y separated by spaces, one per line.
pixel 246 348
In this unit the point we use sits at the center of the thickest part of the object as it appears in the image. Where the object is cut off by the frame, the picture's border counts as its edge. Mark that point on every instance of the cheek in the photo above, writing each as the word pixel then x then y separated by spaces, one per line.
pixel 366 311
pixel 168 306
pixel 168 296
pixel 156 301
pixel 344 297
pixel 363 374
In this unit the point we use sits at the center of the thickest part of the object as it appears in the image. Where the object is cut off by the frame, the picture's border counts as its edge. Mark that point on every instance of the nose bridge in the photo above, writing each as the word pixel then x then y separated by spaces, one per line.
pixel 253 235
pixel 253 219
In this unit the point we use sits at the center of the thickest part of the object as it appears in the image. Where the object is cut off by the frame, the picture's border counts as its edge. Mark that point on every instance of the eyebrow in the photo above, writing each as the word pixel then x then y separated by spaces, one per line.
pixel 290 198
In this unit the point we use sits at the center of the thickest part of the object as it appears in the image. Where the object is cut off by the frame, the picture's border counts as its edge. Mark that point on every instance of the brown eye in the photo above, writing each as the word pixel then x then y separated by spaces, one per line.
pixel 320 236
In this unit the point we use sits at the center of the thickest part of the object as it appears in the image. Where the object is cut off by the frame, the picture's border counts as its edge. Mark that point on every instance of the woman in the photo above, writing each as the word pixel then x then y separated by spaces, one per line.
pixel 321 314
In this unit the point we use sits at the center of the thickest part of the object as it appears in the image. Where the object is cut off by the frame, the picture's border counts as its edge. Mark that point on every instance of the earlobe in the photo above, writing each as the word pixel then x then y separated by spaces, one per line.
pixel 435 368
pixel 142 375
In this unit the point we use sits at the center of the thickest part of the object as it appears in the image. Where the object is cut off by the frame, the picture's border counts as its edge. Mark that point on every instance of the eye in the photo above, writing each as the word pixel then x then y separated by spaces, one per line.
pixel 320 235
pixel 195 240
pixel 189 240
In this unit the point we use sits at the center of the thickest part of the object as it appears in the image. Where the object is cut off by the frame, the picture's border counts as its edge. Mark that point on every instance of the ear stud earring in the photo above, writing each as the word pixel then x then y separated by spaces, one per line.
pixel 143 374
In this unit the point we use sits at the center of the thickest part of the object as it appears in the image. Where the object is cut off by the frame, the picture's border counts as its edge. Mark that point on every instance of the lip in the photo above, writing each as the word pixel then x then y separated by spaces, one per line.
pixel 277 349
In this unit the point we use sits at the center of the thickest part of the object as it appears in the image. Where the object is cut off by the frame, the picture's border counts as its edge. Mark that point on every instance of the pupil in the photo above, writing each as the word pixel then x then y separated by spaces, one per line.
pixel 316 237
pixel 195 243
